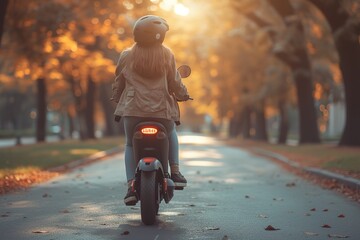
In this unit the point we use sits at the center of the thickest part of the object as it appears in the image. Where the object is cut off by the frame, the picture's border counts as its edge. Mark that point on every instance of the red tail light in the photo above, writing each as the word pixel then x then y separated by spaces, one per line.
pixel 149 159
pixel 149 130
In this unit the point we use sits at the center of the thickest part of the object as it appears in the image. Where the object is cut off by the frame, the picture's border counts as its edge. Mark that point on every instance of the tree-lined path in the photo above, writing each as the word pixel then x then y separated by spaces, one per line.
pixel 231 195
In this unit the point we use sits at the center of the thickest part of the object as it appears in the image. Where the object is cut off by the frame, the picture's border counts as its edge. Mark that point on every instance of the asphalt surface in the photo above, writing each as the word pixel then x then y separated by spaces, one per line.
pixel 231 194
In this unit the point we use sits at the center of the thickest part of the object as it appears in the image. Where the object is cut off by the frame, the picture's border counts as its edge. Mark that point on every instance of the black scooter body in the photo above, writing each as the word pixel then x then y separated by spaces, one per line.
pixel 151 153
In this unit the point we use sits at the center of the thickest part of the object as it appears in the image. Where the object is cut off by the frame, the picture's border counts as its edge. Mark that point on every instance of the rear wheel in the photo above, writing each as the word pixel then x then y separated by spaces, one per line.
pixel 148 195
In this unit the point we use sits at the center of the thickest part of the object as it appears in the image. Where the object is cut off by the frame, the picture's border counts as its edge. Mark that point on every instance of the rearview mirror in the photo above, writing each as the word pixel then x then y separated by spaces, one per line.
pixel 184 71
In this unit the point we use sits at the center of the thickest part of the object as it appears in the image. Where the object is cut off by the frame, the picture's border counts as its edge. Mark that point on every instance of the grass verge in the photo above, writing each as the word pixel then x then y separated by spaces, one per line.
pixel 47 155
pixel 344 160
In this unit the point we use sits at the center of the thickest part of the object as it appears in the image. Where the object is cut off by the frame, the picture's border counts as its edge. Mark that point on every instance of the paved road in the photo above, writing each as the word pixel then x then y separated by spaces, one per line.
pixel 231 195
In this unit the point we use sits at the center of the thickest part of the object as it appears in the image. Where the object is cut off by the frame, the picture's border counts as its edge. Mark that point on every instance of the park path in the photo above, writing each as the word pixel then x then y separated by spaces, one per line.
pixel 231 194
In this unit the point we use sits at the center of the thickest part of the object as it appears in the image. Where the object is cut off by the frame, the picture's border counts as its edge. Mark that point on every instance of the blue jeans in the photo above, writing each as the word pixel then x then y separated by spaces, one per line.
pixel 129 124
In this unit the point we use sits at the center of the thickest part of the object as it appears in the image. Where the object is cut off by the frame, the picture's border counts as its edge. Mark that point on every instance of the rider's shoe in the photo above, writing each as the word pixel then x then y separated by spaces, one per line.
pixel 179 179
pixel 131 198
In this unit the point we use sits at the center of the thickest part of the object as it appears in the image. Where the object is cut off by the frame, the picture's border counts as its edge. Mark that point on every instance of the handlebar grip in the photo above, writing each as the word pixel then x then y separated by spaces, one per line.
pixel 178 100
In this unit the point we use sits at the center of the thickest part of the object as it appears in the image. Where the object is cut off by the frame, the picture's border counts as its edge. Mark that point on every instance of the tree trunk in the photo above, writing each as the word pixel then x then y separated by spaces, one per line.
pixel 246 120
pixel 235 125
pixel 284 122
pixel 347 44
pixel 260 124
pixel 309 132
pixel 107 109
pixel 79 106
pixel 3 8
pixel 41 110
pixel 232 125
pixel 90 109
pixel 299 62
pixel 71 124
pixel 349 52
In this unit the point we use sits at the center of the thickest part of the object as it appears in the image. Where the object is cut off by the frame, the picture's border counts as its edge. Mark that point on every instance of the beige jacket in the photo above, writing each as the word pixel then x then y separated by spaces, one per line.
pixel 142 97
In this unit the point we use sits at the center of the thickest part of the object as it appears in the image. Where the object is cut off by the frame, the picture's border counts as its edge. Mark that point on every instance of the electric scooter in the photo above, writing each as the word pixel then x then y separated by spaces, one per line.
pixel 152 179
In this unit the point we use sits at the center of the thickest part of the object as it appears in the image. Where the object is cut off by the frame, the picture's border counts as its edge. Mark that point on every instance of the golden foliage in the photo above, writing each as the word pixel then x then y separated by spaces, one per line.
pixel 229 53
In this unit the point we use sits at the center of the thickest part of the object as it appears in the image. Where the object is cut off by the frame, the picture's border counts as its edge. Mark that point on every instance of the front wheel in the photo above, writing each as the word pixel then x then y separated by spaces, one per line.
pixel 148 194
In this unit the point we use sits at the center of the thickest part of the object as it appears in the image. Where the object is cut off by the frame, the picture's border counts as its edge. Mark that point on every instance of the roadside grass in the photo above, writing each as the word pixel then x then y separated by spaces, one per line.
pixel 345 160
pixel 29 158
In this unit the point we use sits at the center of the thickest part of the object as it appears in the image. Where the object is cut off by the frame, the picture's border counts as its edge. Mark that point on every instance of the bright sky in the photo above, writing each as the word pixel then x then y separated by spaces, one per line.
pixel 178 8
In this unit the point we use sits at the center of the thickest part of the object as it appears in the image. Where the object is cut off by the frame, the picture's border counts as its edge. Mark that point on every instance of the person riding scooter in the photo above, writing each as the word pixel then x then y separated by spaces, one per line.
pixel 146 88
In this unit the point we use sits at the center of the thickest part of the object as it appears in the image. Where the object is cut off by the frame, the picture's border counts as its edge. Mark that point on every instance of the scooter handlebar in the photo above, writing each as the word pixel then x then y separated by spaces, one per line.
pixel 188 98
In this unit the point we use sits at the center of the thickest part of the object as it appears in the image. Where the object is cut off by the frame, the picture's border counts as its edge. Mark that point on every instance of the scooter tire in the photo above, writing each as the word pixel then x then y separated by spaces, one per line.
pixel 149 205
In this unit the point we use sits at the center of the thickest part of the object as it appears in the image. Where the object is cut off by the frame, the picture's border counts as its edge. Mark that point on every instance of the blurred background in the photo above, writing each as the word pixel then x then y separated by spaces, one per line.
pixel 284 71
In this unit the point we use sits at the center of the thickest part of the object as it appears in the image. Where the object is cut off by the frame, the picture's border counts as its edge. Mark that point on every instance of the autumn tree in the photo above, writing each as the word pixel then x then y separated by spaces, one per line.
pixel 291 49
pixel 344 20
pixel 31 26
pixel 99 32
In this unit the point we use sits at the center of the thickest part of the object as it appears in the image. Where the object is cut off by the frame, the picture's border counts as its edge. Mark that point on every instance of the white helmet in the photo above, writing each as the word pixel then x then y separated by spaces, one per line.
pixel 149 30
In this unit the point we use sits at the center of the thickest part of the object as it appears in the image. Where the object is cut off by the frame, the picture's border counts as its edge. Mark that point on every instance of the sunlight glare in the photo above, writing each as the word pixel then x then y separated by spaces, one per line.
pixel 170 213
pixel 167 5
pixel 200 154
pixel 181 9
pixel 197 140
pixel 83 151
pixel 203 164
pixel 23 204
pixel 173 5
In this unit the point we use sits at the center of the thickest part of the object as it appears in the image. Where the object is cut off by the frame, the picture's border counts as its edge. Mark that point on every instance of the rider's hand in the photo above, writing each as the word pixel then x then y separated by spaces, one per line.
pixel 185 98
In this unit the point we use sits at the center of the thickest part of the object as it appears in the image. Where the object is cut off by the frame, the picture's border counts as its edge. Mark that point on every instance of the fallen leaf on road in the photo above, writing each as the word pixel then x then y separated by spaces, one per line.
pixel 292 184
pixel 5 215
pixel 313 209
pixel 40 231
pixel 125 233
pixel 341 216
pixel 225 237
pixel 65 211
pixel 325 210
pixel 247 196
pixel 271 228
pixel 212 228
pixel 311 234
pixel 278 199
pixel 337 236
pixel 326 226
pixel 46 195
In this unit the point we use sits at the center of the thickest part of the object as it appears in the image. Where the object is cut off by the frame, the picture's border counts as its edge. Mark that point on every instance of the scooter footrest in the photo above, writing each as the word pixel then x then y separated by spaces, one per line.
pixel 179 188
